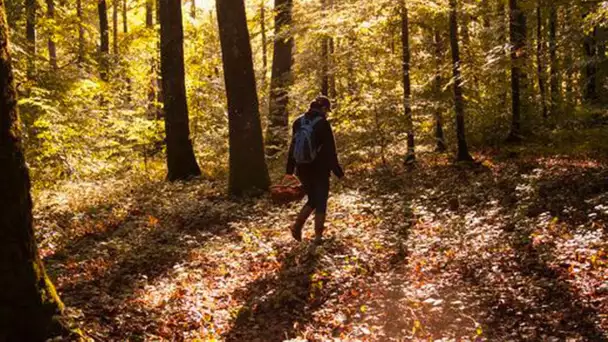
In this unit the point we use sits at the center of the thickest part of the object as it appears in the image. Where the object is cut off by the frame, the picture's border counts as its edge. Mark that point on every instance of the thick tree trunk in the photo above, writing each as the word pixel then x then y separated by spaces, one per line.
pixel 29 305
pixel 553 63
pixel 115 28
pixel 181 162
pixel 407 89
pixel 539 60
pixel 439 135
pixel 282 60
pixel 463 150
pixel 517 27
pixel 248 170
pixel 50 14
pixel 104 42
pixel 30 34
pixel 81 41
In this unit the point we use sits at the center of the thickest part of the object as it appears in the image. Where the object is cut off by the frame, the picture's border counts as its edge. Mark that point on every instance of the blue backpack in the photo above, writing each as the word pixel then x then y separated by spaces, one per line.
pixel 305 147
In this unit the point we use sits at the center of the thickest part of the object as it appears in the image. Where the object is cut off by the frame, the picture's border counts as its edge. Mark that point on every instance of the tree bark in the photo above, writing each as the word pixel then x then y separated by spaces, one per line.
pixel 553 63
pixel 81 41
pixel 115 27
pixel 104 47
pixel 248 170
pixel 150 14
pixel 407 89
pixel 30 33
pixel 282 61
pixel 50 14
pixel 325 55
pixel 264 42
pixel 193 9
pixel 181 162
pixel 517 23
pixel 439 135
pixel 463 150
pixel 590 71
pixel 30 307
pixel 539 59
pixel 125 23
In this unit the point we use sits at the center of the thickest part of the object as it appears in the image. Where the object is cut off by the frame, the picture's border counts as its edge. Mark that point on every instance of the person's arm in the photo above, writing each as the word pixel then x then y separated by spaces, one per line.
pixel 291 162
pixel 334 162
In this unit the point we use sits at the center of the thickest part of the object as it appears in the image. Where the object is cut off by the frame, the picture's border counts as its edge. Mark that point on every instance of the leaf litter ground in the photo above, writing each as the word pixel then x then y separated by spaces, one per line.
pixel 503 250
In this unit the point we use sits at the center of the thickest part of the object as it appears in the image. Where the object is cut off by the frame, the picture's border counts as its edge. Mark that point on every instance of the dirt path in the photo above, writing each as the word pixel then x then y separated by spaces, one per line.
pixel 501 251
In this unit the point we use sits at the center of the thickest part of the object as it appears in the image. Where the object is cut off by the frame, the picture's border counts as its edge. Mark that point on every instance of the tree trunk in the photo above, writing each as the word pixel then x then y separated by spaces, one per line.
pixel 159 82
pixel 50 14
pixel 125 23
pixel 463 150
pixel 553 63
pixel 407 89
pixel 502 38
pixel 248 170
pixel 282 60
pixel 115 28
pixel 104 47
pixel 125 30
pixel 264 42
pixel 439 135
pixel 30 306
pixel 539 60
pixel 193 9
pixel 518 53
pixel 149 14
pixel 590 71
pixel 30 33
pixel 81 41
pixel 181 162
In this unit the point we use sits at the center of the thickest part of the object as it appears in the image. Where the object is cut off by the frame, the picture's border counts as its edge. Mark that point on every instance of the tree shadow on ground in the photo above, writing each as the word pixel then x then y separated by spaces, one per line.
pixel 279 304
pixel 101 273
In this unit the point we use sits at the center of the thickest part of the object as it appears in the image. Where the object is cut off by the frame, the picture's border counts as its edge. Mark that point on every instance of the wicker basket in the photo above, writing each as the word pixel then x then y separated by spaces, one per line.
pixel 287 192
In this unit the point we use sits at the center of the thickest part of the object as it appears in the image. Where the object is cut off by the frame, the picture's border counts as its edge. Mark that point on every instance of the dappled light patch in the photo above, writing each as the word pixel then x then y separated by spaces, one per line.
pixel 489 251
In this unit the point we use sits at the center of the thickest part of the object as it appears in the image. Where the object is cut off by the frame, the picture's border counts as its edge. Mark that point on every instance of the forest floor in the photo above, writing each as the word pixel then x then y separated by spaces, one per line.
pixel 513 248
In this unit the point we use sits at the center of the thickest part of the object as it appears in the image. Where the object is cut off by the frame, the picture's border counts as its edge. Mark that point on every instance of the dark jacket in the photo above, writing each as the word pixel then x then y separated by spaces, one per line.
pixel 327 159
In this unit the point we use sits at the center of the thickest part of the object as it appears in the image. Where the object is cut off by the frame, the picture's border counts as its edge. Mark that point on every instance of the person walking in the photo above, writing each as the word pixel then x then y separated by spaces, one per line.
pixel 313 157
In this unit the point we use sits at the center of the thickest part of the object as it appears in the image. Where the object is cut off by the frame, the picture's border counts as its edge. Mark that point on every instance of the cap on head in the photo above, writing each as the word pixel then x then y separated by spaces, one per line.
pixel 322 102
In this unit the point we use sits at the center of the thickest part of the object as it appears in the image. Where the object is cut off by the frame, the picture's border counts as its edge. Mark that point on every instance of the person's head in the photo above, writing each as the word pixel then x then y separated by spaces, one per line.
pixel 322 104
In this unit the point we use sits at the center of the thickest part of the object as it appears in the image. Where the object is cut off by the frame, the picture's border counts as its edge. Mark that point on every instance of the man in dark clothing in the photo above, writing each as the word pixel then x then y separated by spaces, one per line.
pixel 315 175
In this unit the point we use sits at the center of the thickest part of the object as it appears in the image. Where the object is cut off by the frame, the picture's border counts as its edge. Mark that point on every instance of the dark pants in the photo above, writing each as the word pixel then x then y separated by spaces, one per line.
pixel 317 189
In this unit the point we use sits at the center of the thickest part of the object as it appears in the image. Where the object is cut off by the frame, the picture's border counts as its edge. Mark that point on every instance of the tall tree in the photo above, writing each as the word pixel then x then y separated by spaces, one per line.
pixel 553 62
pixel 30 33
pixel 248 168
pixel 517 30
pixel 50 14
pixel 104 41
pixel 81 41
pixel 150 14
pixel 264 41
pixel 193 9
pixel 282 60
pixel 407 89
pixel 325 56
pixel 463 150
pixel 181 162
pixel 125 15
pixel 540 66
pixel 30 305
pixel 590 93
pixel 439 135
pixel 115 28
